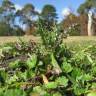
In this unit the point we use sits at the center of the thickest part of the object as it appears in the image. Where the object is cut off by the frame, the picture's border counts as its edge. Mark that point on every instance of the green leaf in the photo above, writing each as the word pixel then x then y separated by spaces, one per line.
pixel 51 85
pixel 78 91
pixel 55 64
pixel 30 73
pixel 14 64
pixel 89 59
pixel 31 62
pixel 12 79
pixel 14 92
pixel 76 73
pixel 57 94
pixel 3 76
pixel 92 93
pixel 94 70
pixel 87 77
pixel 6 49
pixel 22 75
pixel 62 81
pixel 39 91
pixel 93 86
pixel 66 67
pixel 1 91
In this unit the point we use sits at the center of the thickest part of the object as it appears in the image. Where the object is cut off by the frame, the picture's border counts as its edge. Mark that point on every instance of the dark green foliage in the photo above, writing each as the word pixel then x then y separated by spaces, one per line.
pixel 8 20
pixel 48 16
pixel 6 30
pixel 86 6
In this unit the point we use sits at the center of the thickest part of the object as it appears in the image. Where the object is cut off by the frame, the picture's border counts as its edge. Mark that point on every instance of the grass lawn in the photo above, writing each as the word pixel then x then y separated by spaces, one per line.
pixel 8 39
pixel 72 40
pixel 80 39
pixel 80 42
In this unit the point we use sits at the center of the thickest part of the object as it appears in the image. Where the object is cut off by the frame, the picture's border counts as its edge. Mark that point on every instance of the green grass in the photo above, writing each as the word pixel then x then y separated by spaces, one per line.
pixel 8 39
pixel 72 40
pixel 80 39
pixel 80 42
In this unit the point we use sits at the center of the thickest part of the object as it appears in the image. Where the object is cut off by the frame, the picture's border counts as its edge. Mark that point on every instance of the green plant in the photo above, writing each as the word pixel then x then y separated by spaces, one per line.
pixel 47 69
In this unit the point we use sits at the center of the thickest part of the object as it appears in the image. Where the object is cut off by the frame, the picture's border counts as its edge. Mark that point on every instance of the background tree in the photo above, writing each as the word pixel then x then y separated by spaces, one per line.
pixel 7 15
pixel 8 12
pixel 27 14
pixel 49 15
pixel 71 25
pixel 86 6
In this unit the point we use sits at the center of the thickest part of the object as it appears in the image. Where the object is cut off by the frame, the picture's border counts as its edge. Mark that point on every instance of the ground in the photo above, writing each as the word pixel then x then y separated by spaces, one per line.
pixel 71 40
pixel 7 39
pixel 80 40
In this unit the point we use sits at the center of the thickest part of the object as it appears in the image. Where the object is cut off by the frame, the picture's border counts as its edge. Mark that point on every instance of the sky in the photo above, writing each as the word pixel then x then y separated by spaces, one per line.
pixel 62 6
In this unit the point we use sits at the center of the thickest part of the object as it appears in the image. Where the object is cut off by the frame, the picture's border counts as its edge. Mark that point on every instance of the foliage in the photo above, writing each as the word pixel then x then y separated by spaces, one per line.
pixel 47 69
pixel 6 30
pixel 26 15
pixel 8 19
pixel 87 6
pixel 48 16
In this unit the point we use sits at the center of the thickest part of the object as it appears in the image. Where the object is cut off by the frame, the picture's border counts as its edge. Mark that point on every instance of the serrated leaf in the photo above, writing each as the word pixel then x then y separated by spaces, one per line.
pixel 79 91
pixel 39 91
pixel 87 77
pixel 66 67
pixel 14 92
pixel 12 79
pixel 57 94
pixel 31 62
pixel 22 75
pixel 30 73
pixel 77 72
pixel 51 85
pixel 14 64
pixel 62 81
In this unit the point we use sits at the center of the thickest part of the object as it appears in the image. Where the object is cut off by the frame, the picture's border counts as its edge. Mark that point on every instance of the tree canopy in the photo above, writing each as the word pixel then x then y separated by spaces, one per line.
pixel 28 17
pixel 49 12
pixel 48 16
pixel 86 6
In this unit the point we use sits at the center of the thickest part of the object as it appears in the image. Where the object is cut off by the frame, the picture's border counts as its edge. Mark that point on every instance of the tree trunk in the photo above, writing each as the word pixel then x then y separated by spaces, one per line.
pixel 90 24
